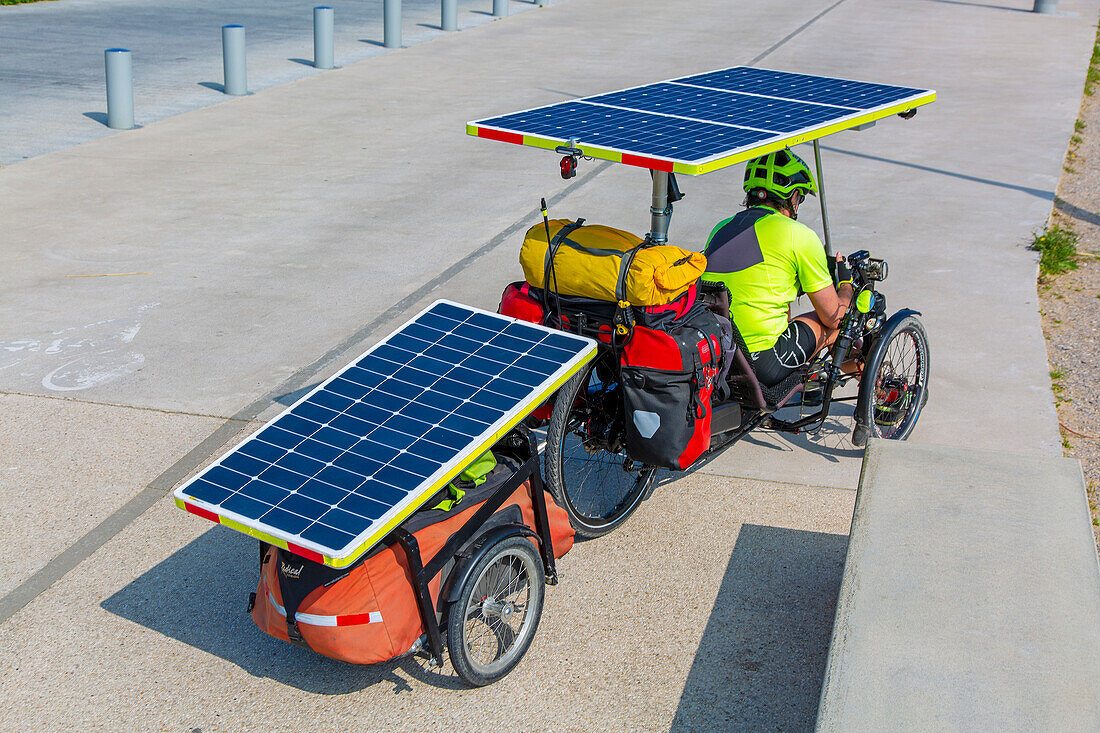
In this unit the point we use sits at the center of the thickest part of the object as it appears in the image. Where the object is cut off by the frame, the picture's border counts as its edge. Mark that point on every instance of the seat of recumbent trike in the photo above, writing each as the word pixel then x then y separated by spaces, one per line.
pixel 746 388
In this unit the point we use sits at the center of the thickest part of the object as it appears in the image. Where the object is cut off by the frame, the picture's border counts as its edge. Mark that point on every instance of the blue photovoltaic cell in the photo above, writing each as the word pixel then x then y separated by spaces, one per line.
pixel 745 110
pixel 803 87
pixel 705 116
pixel 371 439
pixel 636 132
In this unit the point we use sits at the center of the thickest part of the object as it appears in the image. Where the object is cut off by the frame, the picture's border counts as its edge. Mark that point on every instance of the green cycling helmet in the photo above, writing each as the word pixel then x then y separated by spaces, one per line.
pixel 780 173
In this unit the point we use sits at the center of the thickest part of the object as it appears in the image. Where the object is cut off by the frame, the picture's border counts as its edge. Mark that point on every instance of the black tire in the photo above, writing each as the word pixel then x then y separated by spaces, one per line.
pixel 586 467
pixel 491 625
pixel 894 386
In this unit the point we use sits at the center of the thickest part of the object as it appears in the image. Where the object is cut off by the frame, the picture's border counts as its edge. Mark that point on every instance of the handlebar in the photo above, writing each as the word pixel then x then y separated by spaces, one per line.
pixel 868 268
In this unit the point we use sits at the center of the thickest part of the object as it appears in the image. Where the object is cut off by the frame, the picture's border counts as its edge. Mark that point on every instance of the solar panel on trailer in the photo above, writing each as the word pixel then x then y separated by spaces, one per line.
pixel 337 471
pixel 698 123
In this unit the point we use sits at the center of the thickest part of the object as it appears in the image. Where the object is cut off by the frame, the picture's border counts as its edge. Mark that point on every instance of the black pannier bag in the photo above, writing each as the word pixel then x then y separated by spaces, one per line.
pixel 668 377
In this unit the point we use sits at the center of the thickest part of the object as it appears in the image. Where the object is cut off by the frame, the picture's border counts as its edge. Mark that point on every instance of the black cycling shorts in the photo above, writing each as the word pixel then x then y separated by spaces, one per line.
pixel 792 349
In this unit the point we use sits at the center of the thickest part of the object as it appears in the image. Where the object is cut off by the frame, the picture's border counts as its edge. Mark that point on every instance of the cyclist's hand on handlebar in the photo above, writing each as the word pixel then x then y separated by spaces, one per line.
pixel 841 272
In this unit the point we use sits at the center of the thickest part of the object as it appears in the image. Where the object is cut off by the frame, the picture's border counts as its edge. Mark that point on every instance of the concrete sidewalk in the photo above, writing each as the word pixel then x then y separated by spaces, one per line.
pixel 970 600
pixel 283 232
pixel 53 87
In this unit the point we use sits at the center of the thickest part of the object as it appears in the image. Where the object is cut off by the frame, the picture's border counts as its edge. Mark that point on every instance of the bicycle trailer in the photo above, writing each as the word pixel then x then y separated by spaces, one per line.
pixel 377 532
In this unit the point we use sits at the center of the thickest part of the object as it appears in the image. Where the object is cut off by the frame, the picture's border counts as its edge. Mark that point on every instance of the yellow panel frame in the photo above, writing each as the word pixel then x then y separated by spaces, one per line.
pixel 696 169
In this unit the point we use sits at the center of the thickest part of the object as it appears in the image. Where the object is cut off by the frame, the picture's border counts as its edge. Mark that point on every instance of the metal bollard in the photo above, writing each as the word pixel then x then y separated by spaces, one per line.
pixel 500 8
pixel 323 57
pixel 233 64
pixel 120 88
pixel 1045 6
pixel 449 15
pixel 391 21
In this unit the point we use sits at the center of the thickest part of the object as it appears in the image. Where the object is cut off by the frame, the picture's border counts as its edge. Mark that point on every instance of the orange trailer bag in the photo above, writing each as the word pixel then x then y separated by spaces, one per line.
pixel 368 613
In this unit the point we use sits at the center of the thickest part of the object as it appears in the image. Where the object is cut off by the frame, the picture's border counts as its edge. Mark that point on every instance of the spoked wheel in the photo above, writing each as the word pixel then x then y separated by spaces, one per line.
pixel 587 469
pixel 494 619
pixel 894 386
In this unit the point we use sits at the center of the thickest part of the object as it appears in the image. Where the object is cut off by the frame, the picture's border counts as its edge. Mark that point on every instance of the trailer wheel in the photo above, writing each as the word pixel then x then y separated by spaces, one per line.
pixel 490 626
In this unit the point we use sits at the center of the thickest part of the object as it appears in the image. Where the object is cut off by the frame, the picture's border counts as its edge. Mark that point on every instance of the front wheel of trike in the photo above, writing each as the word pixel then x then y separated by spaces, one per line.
pixel 894 385
pixel 587 469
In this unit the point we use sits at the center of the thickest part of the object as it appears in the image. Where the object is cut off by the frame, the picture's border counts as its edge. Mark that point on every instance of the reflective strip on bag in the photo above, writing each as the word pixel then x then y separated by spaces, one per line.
pixel 354 619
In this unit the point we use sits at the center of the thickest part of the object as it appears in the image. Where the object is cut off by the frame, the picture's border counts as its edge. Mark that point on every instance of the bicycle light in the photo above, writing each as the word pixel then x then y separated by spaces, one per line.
pixel 568 167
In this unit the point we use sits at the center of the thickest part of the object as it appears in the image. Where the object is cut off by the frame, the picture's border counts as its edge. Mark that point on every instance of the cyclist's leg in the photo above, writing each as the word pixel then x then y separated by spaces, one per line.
pixel 793 348
pixel 825 337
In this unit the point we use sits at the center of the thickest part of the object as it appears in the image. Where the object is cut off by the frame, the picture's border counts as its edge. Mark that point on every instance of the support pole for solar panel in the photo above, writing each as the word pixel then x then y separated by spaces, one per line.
pixel 391 23
pixel 120 88
pixel 1045 6
pixel 500 8
pixel 323 24
pixel 659 212
pixel 821 196
pixel 233 60
pixel 449 13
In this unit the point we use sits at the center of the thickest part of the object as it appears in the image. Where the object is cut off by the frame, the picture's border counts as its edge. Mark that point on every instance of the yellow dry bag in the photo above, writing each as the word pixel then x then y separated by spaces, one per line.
pixel 609 264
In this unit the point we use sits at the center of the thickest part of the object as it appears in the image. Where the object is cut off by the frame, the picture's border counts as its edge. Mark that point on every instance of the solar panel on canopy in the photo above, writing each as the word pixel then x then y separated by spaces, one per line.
pixel 703 122
pixel 333 474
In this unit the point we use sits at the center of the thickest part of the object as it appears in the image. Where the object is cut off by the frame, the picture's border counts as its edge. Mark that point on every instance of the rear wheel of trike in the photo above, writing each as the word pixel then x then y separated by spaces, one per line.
pixel 894 385
pixel 587 469
pixel 490 626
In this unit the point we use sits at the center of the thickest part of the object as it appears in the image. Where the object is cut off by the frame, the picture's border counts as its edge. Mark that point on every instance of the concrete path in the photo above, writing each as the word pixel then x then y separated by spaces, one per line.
pixel 280 234
pixel 970 600
pixel 52 92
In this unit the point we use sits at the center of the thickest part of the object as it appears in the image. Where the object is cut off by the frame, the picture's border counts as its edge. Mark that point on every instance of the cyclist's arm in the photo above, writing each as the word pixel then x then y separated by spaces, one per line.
pixel 831 304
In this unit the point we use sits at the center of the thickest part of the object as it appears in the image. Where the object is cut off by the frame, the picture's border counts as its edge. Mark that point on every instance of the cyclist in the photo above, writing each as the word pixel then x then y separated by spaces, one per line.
pixel 765 257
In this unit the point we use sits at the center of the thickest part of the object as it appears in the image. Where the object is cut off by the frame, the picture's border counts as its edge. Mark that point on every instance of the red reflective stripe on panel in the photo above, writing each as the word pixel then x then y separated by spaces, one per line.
pixel 202 513
pixel 642 162
pixel 303 552
pixel 353 619
pixel 504 137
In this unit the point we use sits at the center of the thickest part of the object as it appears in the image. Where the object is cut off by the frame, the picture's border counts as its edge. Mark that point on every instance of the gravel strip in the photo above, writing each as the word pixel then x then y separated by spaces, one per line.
pixel 1070 305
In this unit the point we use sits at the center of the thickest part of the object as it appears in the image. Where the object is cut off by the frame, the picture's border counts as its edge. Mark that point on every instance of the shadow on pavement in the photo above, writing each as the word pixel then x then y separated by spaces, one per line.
pixel 213 85
pixel 1037 192
pixel 198 596
pixel 290 398
pixel 100 117
pixel 1076 211
pixel 761 661
pixel 983 5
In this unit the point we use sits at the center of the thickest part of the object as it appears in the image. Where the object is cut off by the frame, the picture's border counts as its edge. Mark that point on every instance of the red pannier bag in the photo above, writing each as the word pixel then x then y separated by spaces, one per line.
pixel 588 317
pixel 368 613
pixel 523 301
pixel 668 376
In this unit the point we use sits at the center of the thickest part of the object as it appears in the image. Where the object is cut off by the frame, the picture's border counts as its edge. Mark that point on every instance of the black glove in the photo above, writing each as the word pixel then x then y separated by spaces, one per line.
pixel 842 274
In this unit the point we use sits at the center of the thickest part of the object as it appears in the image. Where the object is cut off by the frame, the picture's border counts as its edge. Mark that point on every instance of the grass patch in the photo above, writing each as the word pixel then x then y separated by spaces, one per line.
pixel 1079 125
pixel 1057 248
pixel 1093 75
pixel 1056 373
